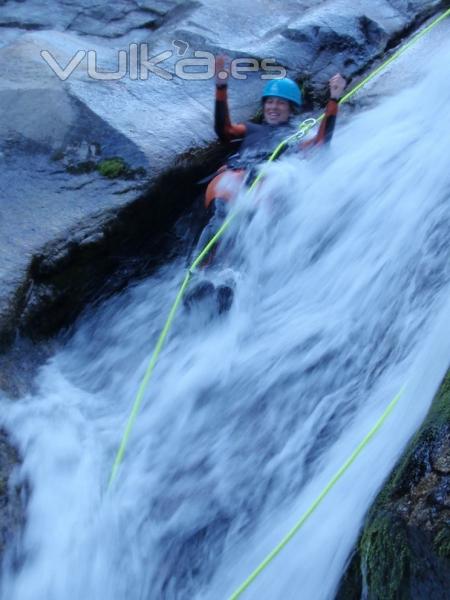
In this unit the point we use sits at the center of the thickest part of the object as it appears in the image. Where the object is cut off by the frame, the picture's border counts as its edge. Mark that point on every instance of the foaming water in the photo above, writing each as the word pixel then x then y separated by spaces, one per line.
pixel 342 298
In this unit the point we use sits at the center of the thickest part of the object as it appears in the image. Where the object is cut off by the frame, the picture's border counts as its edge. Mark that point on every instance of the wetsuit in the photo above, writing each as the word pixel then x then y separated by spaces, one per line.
pixel 258 140
pixel 258 143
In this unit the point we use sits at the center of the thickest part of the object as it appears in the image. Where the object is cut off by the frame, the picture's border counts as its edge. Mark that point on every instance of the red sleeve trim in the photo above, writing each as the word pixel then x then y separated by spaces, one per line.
pixel 326 126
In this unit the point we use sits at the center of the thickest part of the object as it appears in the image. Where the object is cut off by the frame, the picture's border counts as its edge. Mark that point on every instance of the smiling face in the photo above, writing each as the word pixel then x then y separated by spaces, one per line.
pixel 276 110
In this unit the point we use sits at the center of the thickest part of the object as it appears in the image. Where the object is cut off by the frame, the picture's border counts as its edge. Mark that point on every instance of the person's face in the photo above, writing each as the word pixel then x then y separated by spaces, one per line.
pixel 276 110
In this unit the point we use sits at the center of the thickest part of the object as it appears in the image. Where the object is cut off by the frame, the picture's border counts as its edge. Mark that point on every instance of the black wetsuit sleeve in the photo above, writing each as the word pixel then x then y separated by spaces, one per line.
pixel 224 128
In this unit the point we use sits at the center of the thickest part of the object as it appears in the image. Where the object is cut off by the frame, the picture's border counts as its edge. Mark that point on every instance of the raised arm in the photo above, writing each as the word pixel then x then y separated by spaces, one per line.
pixel 224 128
pixel 337 84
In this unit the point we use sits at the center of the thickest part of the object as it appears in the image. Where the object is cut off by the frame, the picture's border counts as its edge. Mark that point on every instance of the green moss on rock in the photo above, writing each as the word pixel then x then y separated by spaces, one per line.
pixel 113 168
pixel 439 414
pixel 116 167
pixel 442 542
pixel 386 558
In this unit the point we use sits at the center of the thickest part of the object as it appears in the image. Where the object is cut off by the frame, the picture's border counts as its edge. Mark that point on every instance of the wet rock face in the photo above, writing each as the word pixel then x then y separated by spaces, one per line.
pixel 404 551
pixel 12 504
pixel 98 257
pixel 83 157
pixel 101 19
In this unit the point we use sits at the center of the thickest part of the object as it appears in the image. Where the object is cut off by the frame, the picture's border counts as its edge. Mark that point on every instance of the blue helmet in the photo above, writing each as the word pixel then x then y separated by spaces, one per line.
pixel 283 88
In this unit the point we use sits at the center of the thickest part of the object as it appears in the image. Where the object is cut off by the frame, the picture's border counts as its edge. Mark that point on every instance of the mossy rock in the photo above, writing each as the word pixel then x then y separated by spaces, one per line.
pixel 385 543
pixel 442 542
pixel 404 550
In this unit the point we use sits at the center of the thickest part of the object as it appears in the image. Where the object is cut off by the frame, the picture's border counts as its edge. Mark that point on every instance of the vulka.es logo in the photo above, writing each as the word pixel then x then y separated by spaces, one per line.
pixel 137 64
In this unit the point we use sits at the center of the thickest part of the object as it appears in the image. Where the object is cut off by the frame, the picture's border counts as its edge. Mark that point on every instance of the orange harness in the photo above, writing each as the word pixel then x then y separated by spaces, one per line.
pixel 224 185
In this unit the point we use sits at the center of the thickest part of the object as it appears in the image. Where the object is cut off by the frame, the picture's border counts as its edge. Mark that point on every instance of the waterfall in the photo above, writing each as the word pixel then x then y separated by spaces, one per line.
pixel 342 260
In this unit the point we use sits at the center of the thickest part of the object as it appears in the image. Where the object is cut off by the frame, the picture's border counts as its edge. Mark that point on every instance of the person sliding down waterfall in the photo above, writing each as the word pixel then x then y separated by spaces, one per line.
pixel 281 99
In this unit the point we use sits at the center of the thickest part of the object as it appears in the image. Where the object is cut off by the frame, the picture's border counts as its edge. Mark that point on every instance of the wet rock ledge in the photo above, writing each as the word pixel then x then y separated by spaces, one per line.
pixel 404 550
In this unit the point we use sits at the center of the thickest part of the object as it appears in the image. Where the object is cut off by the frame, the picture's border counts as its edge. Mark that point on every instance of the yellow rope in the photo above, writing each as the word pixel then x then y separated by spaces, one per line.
pixel 303 129
pixel 269 558
pixel 351 459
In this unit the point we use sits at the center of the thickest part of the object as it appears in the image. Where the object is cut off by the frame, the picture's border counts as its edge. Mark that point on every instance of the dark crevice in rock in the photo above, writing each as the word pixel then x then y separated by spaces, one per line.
pixel 99 261
pixel 20 25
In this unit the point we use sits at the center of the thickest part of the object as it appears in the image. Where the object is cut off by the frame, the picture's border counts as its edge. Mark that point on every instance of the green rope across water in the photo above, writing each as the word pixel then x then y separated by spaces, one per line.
pixel 303 129
pixel 350 460
pixel 369 436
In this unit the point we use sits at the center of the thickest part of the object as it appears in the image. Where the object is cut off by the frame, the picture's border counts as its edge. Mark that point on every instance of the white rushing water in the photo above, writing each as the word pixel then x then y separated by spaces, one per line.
pixel 344 297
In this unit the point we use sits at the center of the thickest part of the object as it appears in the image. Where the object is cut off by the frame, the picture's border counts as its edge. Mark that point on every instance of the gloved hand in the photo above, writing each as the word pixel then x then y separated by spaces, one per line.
pixel 222 71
